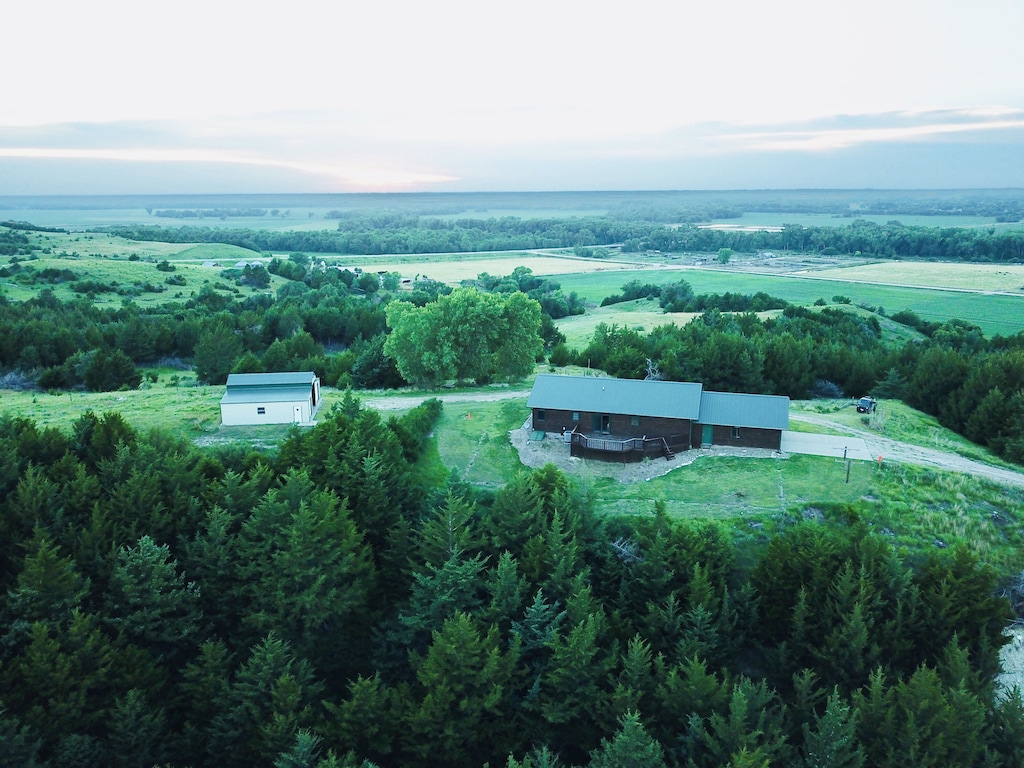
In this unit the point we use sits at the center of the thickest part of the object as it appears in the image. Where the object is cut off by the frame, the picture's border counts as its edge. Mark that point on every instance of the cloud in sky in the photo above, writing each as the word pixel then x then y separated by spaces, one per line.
pixel 466 95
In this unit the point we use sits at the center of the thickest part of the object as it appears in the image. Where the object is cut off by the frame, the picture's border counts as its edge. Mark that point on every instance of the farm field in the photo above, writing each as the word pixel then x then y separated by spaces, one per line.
pixel 765 219
pixel 455 267
pixel 994 314
pixel 1007 278
pixel 946 289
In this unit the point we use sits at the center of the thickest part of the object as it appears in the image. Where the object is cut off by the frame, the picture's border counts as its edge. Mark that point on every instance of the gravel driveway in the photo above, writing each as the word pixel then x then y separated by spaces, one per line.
pixel 906 453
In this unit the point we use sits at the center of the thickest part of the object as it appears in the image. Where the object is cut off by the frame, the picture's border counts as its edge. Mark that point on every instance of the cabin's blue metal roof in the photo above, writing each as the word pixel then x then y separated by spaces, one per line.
pixel 632 397
pixel 733 409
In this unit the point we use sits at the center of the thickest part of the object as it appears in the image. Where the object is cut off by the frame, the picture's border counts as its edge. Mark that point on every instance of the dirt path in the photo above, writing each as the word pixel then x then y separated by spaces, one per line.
pixel 906 453
pixel 400 402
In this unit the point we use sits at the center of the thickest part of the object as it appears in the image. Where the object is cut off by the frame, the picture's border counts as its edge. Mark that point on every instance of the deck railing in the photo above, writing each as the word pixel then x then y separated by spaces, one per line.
pixel 626 444
pixel 609 444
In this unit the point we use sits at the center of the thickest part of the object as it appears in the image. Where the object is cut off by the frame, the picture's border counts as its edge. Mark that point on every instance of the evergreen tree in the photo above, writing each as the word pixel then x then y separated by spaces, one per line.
pixel 216 351
pixel 309 576
pixel 48 590
pixel 18 748
pixel 150 603
pixel 541 757
pixel 832 740
pixel 138 732
pixel 632 747
pixel 750 729
pixel 467 683
pixel 270 699
pixel 574 693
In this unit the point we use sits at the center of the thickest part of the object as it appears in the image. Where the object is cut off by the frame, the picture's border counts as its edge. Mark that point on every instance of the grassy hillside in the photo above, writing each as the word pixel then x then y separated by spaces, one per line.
pixel 919 508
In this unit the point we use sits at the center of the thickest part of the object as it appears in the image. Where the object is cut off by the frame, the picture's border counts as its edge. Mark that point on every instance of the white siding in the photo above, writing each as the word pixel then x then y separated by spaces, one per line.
pixel 235 414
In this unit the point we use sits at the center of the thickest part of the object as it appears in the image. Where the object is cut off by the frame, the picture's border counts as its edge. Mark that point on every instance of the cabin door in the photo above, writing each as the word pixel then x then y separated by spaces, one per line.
pixel 602 422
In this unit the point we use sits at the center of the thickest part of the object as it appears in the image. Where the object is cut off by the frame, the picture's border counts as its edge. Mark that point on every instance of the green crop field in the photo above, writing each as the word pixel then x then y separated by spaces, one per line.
pixel 926 274
pixel 455 267
pixel 994 314
pixel 759 219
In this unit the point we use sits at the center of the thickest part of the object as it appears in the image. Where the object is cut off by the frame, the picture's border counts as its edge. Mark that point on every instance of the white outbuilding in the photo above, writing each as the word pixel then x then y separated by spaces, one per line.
pixel 270 398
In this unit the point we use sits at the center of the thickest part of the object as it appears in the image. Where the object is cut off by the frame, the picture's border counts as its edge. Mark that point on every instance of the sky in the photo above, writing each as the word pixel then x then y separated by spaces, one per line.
pixel 111 97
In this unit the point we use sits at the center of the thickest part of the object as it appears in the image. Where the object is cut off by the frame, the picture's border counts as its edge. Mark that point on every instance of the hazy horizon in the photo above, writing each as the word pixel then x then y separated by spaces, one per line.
pixel 233 98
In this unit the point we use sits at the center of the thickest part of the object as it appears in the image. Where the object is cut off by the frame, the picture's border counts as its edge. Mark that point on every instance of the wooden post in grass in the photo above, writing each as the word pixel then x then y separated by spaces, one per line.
pixel 848 462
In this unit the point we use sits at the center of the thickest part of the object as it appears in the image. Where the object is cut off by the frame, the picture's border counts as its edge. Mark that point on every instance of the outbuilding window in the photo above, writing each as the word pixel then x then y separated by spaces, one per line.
pixel 542 415
pixel 735 433
pixel 261 410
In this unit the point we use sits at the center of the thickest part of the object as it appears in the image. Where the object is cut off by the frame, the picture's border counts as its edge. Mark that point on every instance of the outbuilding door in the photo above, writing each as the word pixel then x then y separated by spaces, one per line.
pixel 298 414
pixel 707 435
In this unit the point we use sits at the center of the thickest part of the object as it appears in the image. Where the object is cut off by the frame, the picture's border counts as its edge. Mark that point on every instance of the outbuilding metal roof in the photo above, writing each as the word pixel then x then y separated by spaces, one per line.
pixel 731 409
pixel 284 379
pixel 266 395
pixel 668 399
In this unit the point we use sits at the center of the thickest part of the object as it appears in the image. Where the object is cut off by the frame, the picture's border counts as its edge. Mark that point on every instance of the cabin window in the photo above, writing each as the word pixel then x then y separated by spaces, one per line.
pixel 542 415
pixel 634 421
pixel 575 415
pixel 735 433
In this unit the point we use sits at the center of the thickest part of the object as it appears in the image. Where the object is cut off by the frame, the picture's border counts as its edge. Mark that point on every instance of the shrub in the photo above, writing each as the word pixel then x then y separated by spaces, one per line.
pixel 561 355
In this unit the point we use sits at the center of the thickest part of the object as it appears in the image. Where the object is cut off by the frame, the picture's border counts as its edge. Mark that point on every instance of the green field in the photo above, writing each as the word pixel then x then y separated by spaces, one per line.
pixel 835 220
pixel 993 314
pixel 129 266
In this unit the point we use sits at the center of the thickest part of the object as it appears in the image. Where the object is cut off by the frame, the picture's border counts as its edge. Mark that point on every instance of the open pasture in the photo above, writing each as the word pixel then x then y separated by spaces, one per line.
pixel 455 267
pixel 1004 278
pixel 130 276
pixel 640 315
pixel 78 245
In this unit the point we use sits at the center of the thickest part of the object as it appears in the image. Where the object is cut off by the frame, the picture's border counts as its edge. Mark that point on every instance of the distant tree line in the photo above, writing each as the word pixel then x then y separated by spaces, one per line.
pixel 892 240
pixel 394 233
pixel 403 233
pixel 336 605
pixel 697 207
pixel 26 226
pixel 209 213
